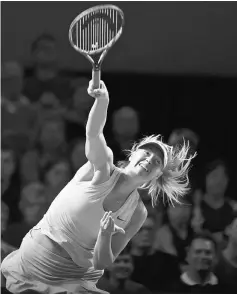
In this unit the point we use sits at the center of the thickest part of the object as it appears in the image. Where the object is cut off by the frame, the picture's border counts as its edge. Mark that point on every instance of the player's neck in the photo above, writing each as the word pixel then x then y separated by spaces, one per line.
pixel 127 184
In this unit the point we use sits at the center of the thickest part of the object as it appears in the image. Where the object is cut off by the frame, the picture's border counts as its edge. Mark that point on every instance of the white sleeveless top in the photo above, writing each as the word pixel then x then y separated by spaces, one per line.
pixel 73 219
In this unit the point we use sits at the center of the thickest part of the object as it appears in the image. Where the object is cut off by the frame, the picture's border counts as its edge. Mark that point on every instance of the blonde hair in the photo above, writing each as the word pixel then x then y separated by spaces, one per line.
pixel 174 180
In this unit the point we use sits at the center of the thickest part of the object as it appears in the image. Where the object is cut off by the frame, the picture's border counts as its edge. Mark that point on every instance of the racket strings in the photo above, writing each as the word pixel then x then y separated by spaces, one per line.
pixel 97 29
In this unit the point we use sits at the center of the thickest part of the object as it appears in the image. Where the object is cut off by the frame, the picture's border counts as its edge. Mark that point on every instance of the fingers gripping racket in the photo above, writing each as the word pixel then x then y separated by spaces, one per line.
pixel 93 32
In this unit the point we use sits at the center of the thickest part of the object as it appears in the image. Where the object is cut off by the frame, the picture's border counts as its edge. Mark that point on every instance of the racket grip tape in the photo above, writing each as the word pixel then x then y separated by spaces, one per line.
pixel 96 73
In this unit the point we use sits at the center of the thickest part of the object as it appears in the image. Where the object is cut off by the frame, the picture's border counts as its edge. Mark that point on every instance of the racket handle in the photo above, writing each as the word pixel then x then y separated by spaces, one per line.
pixel 96 78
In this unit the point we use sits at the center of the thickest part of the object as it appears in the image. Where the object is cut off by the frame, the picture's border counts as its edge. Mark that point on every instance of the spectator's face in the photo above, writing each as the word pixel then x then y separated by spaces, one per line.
pixel 179 215
pixel 217 181
pixel 126 126
pixel 4 216
pixel 52 134
pixel 58 175
pixel 201 254
pixel 33 203
pixel 8 164
pixel 45 53
pixel 78 157
pixel 144 238
pixel 122 267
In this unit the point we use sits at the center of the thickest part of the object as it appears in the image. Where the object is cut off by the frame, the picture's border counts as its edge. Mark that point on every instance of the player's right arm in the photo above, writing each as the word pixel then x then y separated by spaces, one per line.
pixel 97 151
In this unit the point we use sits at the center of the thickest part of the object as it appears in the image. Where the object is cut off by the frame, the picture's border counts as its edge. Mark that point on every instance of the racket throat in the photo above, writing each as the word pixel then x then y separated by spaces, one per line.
pixel 96 75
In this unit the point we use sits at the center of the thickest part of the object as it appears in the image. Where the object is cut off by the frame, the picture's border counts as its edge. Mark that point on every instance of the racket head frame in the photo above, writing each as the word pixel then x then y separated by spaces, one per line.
pixel 105 49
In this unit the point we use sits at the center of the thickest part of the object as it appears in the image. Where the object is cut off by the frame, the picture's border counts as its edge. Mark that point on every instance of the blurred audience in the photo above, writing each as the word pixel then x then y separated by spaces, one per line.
pixel 10 182
pixel 174 235
pixel 178 136
pixel 19 117
pixel 215 207
pixel 117 280
pixel 5 247
pixel 78 110
pixel 154 269
pixel 33 205
pixel 56 176
pixel 77 154
pixel 125 130
pixel 198 276
pixel 226 267
pixel 50 146
pixel 45 76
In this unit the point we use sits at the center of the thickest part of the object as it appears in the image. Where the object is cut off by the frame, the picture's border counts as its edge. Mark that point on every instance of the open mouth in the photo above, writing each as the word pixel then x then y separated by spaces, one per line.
pixel 140 164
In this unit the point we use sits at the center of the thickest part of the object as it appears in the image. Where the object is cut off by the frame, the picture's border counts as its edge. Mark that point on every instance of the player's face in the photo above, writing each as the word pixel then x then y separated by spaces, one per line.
pixel 147 162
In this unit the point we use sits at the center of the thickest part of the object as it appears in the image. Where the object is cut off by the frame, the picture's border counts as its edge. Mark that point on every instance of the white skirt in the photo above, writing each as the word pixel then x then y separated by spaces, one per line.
pixel 34 268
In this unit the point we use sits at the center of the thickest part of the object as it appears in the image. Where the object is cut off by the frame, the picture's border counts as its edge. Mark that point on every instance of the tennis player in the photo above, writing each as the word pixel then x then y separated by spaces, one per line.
pixel 93 218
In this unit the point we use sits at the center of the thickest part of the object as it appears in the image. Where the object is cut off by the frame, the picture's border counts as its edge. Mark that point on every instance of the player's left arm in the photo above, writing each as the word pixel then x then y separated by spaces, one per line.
pixel 109 246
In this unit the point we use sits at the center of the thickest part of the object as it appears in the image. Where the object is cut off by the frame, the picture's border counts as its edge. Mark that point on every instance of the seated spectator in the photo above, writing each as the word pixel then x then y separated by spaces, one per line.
pixel 55 177
pixel 176 138
pixel 10 182
pixel 77 154
pixel 153 269
pixel 179 135
pixel 78 110
pixel 5 247
pixel 155 212
pixel 46 76
pixel 198 276
pixel 118 280
pixel 33 206
pixel 125 129
pixel 215 207
pixel 48 107
pixel 173 236
pixel 19 118
pixel 226 267
pixel 50 147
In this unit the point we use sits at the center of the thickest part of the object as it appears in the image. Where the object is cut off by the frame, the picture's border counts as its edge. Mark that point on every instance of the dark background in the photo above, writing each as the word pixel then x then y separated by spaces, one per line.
pixel 176 62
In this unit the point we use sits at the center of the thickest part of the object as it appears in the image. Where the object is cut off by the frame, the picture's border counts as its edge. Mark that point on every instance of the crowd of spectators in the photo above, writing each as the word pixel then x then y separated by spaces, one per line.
pixel 188 248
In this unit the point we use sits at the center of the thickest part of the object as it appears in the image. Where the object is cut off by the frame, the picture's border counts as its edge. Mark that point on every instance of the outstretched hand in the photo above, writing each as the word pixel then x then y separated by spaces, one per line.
pixel 100 93
pixel 107 225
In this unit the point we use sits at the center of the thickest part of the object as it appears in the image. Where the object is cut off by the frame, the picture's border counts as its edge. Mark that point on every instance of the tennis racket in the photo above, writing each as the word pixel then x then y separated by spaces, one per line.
pixel 93 32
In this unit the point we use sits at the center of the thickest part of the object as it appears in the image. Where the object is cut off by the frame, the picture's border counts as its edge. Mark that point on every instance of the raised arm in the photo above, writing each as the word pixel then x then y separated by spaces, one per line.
pixel 97 151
